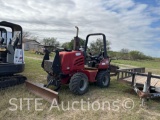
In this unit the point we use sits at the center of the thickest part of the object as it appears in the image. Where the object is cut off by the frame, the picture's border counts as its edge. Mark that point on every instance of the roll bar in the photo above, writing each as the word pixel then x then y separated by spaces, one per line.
pixel 104 42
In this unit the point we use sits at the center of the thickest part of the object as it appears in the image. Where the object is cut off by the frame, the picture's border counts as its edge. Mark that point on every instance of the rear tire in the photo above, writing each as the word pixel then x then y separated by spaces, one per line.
pixel 103 79
pixel 78 83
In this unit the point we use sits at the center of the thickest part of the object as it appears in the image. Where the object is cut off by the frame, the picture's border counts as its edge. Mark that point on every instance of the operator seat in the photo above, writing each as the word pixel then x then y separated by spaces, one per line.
pixel 1 41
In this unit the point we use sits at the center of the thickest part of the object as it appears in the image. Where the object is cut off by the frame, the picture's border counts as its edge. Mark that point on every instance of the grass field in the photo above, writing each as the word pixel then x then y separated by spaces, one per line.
pixel 151 66
pixel 141 63
pixel 116 92
pixel 33 55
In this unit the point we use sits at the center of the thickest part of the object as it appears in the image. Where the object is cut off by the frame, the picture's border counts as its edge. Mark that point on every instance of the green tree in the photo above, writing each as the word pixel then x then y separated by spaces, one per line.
pixel 69 45
pixel 124 50
pixel 113 54
pixel 136 55
pixel 65 45
pixel 124 53
pixel 51 41
pixel 97 46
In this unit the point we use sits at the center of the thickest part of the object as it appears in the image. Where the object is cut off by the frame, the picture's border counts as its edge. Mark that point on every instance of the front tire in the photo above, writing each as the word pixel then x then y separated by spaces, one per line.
pixel 103 79
pixel 78 83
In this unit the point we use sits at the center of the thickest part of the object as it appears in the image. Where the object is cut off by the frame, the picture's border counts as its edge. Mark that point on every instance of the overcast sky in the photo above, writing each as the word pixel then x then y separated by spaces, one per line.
pixel 132 24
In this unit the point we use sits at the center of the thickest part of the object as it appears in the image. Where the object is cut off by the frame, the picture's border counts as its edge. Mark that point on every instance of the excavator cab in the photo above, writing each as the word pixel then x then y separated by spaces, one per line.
pixel 3 42
pixel 11 54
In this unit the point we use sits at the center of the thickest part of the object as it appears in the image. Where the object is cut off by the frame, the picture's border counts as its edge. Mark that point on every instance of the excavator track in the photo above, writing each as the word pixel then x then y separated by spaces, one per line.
pixel 9 81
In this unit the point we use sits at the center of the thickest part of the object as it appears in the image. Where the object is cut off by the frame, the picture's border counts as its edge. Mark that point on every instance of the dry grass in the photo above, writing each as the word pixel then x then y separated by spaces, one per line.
pixel 116 91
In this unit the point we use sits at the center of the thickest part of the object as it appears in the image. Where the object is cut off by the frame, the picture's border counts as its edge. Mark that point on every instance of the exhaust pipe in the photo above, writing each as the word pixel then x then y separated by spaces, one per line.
pixel 76 41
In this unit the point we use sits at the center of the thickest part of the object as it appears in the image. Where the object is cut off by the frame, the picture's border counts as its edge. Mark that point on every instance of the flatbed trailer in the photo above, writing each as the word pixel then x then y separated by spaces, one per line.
pixel 146 85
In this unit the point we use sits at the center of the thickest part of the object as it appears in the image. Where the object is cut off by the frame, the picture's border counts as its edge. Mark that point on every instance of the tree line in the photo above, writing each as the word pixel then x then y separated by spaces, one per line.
pixel 126 54
pixel 95 47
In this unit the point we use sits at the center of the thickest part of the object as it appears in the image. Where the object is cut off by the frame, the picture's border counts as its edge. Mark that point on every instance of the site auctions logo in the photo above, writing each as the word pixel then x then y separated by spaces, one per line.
pixel 116 105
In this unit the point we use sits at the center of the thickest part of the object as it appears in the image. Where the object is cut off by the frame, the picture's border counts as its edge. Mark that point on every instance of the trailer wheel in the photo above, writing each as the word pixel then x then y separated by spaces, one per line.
pixel 78 83
pixel 103 79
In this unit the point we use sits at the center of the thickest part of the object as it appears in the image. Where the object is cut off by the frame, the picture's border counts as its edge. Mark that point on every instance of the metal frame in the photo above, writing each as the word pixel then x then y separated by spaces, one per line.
pixel 3 30
pixel 124 73
pixel 148 90
pixel 104 42
pixel 14 27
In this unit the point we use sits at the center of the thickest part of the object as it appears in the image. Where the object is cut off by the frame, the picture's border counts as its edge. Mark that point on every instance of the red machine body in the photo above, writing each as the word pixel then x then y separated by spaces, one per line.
pixel 74 61
pixel 78 67
pixel 71 61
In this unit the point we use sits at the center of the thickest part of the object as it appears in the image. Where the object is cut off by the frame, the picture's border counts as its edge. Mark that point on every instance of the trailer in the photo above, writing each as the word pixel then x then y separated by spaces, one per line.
pixel 146 85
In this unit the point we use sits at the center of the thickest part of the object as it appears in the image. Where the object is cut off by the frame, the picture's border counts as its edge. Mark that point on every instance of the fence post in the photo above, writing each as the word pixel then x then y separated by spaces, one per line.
pixel 143 70
pixel 149 80
pixel 133 78
pixel 118 75
pixel 122 74
pixel 125 74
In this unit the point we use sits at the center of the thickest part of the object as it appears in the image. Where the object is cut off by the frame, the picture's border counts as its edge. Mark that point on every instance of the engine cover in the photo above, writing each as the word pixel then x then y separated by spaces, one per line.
pixel 70 61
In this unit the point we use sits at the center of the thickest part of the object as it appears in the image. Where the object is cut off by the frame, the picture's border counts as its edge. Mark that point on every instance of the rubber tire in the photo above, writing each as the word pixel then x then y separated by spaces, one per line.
pixel 74 84
pixel 100 77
